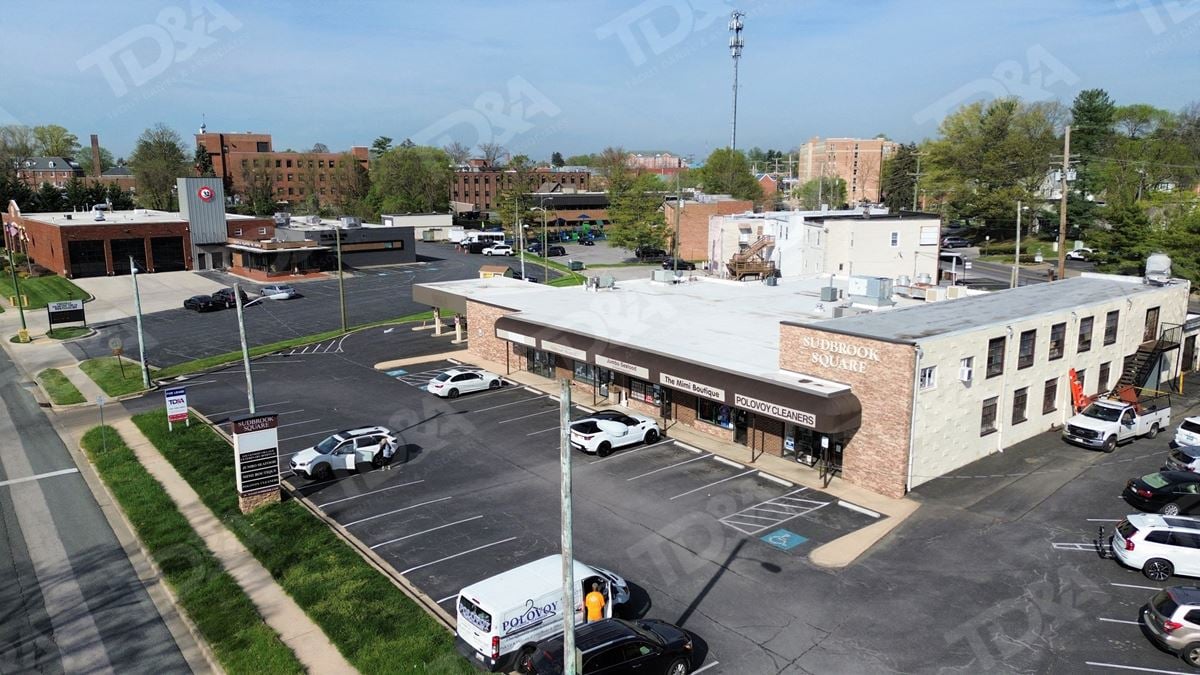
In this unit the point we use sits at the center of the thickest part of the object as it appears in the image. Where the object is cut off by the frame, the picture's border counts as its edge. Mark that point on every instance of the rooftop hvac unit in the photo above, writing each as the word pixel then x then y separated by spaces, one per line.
pixel 829 294
pixel 1158 269
pixel 875 291
pixel 663 275
pixel 348 222
pixel 924 278
pixel 313 220
pixel 282 218
pixel 956 292
pixel 935 293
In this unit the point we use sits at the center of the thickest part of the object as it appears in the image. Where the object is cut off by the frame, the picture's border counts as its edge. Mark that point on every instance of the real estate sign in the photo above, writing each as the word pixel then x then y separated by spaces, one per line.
pixel 256 452
pixel 177 406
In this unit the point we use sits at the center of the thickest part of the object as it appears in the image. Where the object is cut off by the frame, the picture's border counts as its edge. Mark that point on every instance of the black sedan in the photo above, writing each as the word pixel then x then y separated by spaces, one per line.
pixel 1167 492
pixel 612 646
pixel 201 303
pixel 555 251
pixel 226 297
pixel 669 264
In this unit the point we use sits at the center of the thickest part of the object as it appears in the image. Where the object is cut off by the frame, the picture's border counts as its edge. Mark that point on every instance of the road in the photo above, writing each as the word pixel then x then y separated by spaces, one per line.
pixel 71 601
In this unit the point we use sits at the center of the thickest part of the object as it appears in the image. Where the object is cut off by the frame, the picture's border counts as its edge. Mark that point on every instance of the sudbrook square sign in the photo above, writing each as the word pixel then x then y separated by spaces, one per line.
pixel 256 452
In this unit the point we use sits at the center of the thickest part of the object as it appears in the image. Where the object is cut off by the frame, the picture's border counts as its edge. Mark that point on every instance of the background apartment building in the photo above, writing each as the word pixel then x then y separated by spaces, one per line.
pixel 661 163
pixel 477 187
pixel 295 175
pixel 858 161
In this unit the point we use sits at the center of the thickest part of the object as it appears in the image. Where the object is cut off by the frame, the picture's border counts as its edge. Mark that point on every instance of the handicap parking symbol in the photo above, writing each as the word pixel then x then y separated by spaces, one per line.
pixel 784 540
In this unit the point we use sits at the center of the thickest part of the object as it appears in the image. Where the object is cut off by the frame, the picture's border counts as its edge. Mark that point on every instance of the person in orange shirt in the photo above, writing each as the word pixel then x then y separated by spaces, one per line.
pixel 594 602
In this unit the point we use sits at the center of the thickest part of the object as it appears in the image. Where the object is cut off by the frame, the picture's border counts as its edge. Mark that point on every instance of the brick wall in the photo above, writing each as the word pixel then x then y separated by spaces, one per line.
pixel 48 243
pixel 481 332
pixel 876 456
pixel 693 224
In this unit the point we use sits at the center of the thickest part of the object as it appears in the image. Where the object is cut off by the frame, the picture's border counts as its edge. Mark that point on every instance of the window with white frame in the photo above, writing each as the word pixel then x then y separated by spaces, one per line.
pixel 928 379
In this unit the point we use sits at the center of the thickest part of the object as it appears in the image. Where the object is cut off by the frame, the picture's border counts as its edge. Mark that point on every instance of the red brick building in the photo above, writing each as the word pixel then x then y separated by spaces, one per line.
pixel 295 175
pixel 57 171
pixel 476 188
pixel 693 222
pixel 78 245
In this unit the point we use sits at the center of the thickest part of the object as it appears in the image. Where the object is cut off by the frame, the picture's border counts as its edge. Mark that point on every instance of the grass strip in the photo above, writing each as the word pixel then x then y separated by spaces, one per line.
pixel 188 367
pixel 43 290
pixel 115 376
pixel 225 616
pixel 375 625
pixel 59 388
pixel 68 333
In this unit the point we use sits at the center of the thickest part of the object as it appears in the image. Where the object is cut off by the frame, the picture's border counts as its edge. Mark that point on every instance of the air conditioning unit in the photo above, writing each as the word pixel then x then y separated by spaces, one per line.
pixel 956 292
pixel 965 373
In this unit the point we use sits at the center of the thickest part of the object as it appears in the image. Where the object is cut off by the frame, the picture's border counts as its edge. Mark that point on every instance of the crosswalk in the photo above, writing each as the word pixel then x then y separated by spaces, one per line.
pixel 772 513
pixel 331 347
pixel 419 379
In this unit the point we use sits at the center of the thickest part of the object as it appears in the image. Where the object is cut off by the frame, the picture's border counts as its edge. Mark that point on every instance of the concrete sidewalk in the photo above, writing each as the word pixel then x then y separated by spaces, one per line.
pixel 282 613
pixel 837 553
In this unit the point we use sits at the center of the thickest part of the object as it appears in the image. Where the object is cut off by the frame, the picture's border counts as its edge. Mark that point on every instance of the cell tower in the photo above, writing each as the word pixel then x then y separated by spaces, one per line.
pixel 735 50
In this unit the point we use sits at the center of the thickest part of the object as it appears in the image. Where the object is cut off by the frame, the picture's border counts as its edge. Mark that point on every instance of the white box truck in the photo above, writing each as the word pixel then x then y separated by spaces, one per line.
pixel 504 616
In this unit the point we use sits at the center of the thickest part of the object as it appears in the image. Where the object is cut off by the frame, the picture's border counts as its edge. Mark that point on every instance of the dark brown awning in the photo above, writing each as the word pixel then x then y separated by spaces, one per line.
pixel 832 413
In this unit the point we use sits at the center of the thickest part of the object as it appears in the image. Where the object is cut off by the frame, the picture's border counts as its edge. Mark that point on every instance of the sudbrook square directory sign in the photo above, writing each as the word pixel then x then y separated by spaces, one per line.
pixel 256 452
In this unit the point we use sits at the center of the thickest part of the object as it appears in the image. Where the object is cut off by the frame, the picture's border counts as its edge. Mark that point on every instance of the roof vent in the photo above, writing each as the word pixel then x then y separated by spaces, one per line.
pixel 1158 269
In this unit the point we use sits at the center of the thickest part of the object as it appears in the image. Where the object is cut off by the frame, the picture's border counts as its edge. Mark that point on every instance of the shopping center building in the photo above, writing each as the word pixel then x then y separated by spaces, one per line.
pixel 877 382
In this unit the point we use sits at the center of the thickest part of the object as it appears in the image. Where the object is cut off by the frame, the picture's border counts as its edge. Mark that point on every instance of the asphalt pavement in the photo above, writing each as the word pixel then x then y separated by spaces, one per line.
pixel 71 601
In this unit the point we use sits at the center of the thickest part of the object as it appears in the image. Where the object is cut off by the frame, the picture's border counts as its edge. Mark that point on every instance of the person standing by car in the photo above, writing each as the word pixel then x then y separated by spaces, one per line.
pixel 389 451
pixel 594 603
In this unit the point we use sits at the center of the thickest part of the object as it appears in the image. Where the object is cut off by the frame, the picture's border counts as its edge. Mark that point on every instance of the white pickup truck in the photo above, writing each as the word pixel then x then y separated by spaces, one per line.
pixel 1107 422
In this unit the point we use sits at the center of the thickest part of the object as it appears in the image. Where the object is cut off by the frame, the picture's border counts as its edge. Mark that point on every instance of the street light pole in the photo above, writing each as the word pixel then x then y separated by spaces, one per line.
pixel 137 309
pixel 1016 275
pixel 341 282
pixel 678 208
pixel 519 232
pixel 237 294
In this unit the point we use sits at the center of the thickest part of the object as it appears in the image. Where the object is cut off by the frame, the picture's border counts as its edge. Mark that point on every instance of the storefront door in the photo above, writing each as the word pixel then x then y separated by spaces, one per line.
pixel 1189 354
pixel 662 396
pixel 741 425
pixel 540 363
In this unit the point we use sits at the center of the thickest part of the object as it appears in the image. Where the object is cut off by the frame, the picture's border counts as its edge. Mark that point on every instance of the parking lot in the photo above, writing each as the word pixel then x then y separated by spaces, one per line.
pixel 704 541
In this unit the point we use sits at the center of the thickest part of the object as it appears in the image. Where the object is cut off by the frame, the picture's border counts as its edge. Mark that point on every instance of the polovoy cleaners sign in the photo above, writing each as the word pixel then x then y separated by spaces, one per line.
pixel 839 354
pixel 256 454
pixel 775 410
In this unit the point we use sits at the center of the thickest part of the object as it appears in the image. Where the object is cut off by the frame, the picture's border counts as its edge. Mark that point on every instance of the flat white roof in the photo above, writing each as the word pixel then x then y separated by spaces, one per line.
pixel 723 324
pixel 132 216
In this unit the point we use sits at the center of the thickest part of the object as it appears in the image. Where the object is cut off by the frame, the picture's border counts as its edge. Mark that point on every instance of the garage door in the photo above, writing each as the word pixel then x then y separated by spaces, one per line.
pixel 87 258
pixel 167 253
pixel 122 249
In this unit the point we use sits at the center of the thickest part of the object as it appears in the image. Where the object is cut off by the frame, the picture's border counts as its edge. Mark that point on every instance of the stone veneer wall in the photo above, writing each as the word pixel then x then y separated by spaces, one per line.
pixel 481 328
pixel 876 456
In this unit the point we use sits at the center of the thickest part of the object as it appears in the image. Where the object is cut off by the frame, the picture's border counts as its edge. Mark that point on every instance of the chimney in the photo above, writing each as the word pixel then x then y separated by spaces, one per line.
pixel 95 156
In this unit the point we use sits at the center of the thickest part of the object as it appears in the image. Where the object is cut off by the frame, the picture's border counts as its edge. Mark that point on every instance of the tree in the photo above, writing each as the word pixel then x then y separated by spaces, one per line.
pixel 823 190
pixel 203 163
pixel 259 198
pixel 457 152
pixel 613 163
pixel 121 200
pixel 1092 115
pixel 581 160
pixel 319 148
pixel 899 178
pixel 48 198
pixel 17 144
pixel 411 180
pixel 106 161
pixel 76 194
pixel 556 159
pixel 635 211
pixel 727 172
pixel 351 187
pixel 157 160
pixel 14 189
pixel 381 145
pixel 491 152
pixel 55 141
pixel 515 201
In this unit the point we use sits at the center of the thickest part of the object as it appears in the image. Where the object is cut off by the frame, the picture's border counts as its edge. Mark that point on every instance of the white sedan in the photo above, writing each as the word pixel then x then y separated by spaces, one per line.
pixel 1080 254
pixel 278 292
pixel 498 249
pixel 608 430
pixel 451 383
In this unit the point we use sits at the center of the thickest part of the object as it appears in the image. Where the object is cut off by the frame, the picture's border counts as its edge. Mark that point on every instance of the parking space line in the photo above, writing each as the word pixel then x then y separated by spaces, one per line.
pixel 627 453
pixel 1104 520
pixel 729 462
pixel 524 400
pixel 703 487
pixel 1131 623
pixel 1146 588
pixel 315 433
pixel 664 468
pixel 372 492
pixel 292 424
pixel 448 597
pixel 1089 547
pixel 535 433
pixel 704 668
pixel 855 507
pixel 1120 667
pixel 432 529
pixel 406 508
pixel 226 412
pixel 775 479
pixel 786 507
pixel 543 412
pixel 457 555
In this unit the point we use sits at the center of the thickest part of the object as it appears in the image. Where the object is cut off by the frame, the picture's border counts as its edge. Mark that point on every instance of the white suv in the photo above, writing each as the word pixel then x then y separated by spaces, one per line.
pixel 498 249
pixel 343 450
pixel 607 430
pixel 1188 432
pixel 1159 545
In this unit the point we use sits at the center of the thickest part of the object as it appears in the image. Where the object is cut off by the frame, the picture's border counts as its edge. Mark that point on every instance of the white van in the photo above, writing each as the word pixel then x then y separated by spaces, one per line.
pixel 502 616
pixel 485 237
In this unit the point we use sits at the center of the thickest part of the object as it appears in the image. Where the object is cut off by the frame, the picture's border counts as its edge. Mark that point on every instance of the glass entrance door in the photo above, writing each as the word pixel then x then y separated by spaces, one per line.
pixel 540 363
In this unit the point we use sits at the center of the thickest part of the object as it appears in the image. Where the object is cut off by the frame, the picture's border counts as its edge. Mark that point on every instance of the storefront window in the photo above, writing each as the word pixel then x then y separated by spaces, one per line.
pixel 585 372
pixel 714 413
pixel 645 392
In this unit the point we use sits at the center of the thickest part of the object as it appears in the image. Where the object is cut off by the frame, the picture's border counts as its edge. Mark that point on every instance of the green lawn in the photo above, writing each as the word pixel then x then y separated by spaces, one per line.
pixel 68 332
pixel 372 622
pixel 59 388
pixel 240 639
pixel 115 377
pixel 43 290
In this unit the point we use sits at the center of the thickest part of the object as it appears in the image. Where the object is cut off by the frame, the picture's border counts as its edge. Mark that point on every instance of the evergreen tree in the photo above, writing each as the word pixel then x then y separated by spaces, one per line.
pixel 556 159
pixel 1091 136
pixel 203 162
pixel 899 178
pixel 48 198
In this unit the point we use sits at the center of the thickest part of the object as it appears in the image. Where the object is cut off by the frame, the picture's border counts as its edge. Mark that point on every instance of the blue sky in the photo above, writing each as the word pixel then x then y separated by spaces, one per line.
pixel 575 76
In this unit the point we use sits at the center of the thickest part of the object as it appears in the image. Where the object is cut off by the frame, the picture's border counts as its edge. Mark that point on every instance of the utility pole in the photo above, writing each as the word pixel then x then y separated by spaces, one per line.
pixel 337 231
pixel 1062 208
pixel 735 50
pixel 137 310
pixel 916 179
pixel 570 667
pixel 1016 275
pixel 678 208
pixel 519 234
pixel 546 245
pixel 237 295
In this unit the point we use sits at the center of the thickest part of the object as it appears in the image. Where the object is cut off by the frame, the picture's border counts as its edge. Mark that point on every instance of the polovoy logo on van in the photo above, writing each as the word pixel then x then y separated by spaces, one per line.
pixel 532 615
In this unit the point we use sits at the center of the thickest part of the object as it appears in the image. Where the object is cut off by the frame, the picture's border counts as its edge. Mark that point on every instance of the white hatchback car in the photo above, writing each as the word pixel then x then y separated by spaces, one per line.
pixel 1158 545
pixel 451 383
pixel 343 450
pixel 1188 432
pixel 278 292
pixel 607 430
pixel 498 249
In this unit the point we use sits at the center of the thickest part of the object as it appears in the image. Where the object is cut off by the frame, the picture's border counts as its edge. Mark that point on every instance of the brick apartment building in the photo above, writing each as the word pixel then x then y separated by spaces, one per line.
pixel 661 163
pixel 693 221
pixel 858 161
pixel 476 186
pixel 57 171
pixel 295 175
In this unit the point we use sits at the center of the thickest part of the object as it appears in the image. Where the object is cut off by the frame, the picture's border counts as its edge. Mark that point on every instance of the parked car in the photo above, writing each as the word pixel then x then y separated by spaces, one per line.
pixel 616 646
pixel 498 249
pixel 1080 254
pixel 1172 620
pixel 226 297
pixel 343 450
pixel 516 274
pixel 1158 545
pixel 955 242
pixel 1107 422
pixel 669 264
pixel 649 254
pixel 535 247
pixel 587 241
pixel 1183 458
pixel 1168 492
pixel 555 251
pixel 451 383
pixel 202 303
pixel 604 431
pixel 278 292
pixel 1188 432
